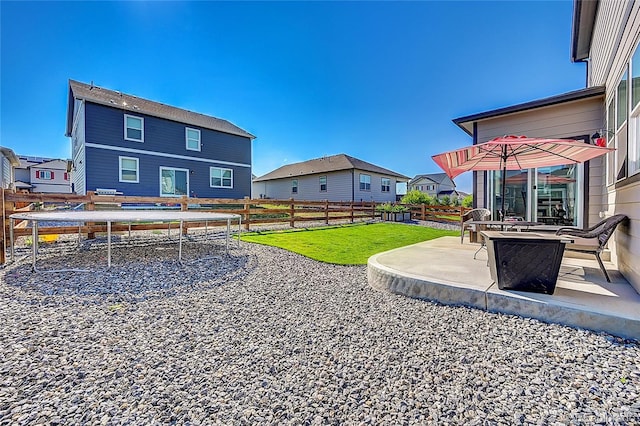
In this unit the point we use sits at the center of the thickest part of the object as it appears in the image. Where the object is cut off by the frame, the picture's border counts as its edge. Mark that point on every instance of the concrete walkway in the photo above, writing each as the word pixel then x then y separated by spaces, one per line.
pixel 444 270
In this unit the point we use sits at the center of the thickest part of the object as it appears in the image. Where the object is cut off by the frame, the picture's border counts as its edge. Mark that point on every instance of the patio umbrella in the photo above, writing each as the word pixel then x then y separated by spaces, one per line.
pixel 516 153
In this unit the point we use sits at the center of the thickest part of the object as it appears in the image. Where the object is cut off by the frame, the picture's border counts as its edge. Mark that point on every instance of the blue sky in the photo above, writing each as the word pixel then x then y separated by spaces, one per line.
pixel 380 81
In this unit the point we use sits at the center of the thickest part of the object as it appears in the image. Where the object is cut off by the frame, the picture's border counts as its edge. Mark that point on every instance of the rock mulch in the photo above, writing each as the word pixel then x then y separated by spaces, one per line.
pixel 264 336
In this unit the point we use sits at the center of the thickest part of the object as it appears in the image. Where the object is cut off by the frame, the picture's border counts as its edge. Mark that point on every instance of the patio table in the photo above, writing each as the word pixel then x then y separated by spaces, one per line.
pixel 525 261
pixel 111 216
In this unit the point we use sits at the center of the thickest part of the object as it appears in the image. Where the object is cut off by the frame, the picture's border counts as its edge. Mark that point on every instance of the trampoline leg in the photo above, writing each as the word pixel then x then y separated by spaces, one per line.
pixel 109 244
pixel 34 245
pixel 179 243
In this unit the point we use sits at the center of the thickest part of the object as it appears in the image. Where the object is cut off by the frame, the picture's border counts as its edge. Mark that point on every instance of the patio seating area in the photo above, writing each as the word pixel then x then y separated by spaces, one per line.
pixel 444 270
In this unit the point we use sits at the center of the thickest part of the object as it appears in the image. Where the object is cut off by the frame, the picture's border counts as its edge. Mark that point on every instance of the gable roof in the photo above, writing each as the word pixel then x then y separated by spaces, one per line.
pixel 134 104
pixel 331 163
pixel 435 177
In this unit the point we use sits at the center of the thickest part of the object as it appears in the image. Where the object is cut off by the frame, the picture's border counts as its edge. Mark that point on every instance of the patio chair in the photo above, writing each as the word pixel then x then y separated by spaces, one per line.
pixel 602 231
pixel 474 214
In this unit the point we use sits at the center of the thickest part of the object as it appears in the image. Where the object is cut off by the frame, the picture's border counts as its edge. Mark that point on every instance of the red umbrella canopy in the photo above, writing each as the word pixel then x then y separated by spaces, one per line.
pixel 517 153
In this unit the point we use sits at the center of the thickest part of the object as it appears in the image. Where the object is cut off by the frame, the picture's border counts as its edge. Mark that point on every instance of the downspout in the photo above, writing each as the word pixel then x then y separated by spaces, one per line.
pixel 353 185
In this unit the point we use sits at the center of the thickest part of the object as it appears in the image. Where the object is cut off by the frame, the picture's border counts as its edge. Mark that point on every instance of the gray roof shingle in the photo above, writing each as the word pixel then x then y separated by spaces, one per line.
pixel 331 163
pixel 135 104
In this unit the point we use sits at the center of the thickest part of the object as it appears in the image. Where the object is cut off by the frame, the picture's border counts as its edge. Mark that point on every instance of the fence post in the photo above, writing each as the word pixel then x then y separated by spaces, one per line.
pixel 91 235
pixel 326 212
pixel 373 210
pixel 351 211
pixel 423 211
pixel 247 212
pixel 292 211
pixel 184 206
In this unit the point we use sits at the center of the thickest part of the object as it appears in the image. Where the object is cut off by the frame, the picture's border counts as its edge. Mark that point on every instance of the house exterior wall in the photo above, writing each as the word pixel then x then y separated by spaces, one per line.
pixel 164 145
pixel 78 177
pixel 60 181
pixel 567 120
pixel 5 172
pixel 342 185
pixel 616 35
pixel 422 184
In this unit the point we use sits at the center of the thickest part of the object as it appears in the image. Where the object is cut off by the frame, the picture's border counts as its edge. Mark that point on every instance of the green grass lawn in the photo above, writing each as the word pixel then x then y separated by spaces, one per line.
pixel 347 245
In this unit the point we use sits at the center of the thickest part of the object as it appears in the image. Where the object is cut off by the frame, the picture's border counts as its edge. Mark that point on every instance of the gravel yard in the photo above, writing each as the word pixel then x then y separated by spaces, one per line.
pixel 263 336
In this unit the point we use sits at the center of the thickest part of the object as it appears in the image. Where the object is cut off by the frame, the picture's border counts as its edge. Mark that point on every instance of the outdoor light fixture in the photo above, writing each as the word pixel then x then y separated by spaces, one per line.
pixel 599 140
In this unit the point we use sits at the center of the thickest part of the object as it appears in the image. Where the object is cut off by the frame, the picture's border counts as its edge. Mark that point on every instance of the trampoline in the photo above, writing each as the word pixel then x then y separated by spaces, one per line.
pixel 119 216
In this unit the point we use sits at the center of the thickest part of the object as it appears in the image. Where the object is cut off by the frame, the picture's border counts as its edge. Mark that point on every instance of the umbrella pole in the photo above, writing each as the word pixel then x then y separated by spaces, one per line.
pixel 504 179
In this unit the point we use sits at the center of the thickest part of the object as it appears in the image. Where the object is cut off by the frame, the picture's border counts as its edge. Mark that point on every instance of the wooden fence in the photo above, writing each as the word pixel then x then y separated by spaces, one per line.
pixel 252 211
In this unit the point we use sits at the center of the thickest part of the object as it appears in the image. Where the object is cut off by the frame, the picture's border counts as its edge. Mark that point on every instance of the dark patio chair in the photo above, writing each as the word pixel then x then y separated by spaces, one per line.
pixel 602 231
pixel 474 214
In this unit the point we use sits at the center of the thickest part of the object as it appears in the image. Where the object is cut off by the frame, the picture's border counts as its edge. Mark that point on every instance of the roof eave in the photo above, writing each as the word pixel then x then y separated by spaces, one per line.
pixel 584 18
pixel 466 123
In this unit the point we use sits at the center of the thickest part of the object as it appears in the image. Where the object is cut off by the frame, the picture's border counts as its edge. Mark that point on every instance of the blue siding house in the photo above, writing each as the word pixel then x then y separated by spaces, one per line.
pixel 139 147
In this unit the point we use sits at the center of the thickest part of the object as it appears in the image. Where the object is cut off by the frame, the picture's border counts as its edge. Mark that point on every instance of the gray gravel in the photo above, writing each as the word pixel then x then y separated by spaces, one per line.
pixel 263 336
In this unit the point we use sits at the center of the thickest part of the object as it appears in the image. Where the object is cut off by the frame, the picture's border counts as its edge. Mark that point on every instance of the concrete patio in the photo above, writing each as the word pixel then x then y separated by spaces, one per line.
pixel 444 270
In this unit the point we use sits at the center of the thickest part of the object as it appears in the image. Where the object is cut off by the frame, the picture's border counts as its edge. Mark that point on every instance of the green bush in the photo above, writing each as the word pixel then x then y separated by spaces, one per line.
pixel 467 201
pixel 417 197
pixel 390 208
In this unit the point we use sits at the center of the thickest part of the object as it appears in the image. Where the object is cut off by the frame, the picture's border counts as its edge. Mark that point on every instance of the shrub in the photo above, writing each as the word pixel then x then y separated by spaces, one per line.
pixel 467 201
pixel 417 197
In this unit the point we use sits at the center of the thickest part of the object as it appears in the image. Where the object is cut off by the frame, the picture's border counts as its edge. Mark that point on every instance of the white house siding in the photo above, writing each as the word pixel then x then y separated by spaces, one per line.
pixel 56 185
pixel 5 167
pixel 616 35
pixel 571 119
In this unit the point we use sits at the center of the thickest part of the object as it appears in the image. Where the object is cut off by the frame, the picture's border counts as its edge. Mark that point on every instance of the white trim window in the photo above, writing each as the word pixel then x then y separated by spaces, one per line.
pixel 129 169
pixel 294 186
pixel 133 128
pixel 634 130
pixel 220 178
pixel 365 182
pixel 622 114
pixel 611 141
pixel 174 182
pixel 323 184
pixel 44 174
pixel 386 185
pixel 192 139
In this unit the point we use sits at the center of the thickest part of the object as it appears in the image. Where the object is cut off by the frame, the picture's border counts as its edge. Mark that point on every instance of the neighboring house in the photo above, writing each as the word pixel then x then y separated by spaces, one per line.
pixel 606 35
pixel 39 174
pixel 139 147
pixel 8 162
pixel 334 178
pixel 435 185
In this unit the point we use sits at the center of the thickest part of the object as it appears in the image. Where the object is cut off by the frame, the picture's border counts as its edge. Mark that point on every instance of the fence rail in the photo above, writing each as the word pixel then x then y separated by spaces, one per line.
pixel 252 211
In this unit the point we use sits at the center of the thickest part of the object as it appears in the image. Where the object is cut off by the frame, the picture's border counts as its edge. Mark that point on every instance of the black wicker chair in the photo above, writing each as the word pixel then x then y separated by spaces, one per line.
pixel 602 231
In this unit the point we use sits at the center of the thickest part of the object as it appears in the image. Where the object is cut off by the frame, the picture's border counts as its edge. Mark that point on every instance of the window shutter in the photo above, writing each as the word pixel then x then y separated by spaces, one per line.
pixel 37 174
pixel 51 175
pixel 66 176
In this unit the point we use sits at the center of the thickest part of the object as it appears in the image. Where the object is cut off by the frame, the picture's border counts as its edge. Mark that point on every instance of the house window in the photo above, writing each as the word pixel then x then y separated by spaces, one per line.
pixel 133 128
pixel 221 178
pixel 365 182
pixel 294 186
pixel 193 139
pixel 634 133
pixel 44 174
pixel 622 102
pixel 611 140
pixel 129 170
pixel 323 183
pixel 386 185
pixel 174 182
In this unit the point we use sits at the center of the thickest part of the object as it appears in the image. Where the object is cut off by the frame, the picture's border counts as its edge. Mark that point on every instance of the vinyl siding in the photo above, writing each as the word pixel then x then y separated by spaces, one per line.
pixel 104 135
pixel 5 166
pixel 78 177
pixel 105 126
pixel 339 188
pixel 572 119
pixel 102 171
pixel 615 38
